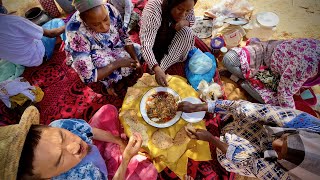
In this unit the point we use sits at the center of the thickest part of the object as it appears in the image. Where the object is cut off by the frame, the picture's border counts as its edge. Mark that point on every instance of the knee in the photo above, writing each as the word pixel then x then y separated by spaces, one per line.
pixel 105 118
pixel 109 110
pixel 231 58
pixel 109 107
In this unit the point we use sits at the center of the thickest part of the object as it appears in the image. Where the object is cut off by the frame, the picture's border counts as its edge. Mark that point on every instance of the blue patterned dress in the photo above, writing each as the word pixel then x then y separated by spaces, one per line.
pixel 89 51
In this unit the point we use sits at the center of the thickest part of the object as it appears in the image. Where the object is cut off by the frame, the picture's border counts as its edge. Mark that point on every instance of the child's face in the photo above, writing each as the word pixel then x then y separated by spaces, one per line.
pixel 97 19
pixel 58 151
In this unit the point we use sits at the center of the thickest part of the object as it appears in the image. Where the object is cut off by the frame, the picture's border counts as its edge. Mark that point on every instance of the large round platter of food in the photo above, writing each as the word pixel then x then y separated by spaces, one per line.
pixel 159 107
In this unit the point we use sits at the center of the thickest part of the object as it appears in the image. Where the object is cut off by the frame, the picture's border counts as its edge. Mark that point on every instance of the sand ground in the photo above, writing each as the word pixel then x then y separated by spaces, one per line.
pixel 298 18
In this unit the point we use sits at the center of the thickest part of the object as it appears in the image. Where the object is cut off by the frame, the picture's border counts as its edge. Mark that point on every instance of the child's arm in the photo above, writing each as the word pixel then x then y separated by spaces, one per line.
pixel 105 136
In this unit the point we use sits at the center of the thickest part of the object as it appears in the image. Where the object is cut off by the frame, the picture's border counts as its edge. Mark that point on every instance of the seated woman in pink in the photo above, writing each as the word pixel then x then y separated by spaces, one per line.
pixel 276 70
pixel 98 45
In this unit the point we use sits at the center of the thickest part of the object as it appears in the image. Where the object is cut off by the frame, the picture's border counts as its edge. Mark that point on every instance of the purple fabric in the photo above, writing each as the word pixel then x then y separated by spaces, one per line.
pixel 20 41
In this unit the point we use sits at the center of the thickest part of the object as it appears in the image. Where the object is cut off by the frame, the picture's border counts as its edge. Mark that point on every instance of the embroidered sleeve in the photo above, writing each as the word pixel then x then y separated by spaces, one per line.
pixel 78 127
pixel 232 107
pixel 255 112
pixel 211 106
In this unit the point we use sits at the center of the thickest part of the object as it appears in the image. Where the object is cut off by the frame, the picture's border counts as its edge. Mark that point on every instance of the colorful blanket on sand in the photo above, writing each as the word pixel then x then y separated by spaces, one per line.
pixel 67 97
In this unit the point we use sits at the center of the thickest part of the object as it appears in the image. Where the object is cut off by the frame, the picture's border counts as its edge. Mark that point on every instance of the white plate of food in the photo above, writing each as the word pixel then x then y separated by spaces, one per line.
pixel 196 116
pixel 159 106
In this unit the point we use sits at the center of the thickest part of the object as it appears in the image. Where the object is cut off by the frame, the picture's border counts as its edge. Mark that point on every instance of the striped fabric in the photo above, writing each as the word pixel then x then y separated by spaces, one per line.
pixel 182 42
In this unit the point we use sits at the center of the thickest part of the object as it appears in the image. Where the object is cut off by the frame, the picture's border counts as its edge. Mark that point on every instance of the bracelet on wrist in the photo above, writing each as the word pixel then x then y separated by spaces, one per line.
pixel 211 106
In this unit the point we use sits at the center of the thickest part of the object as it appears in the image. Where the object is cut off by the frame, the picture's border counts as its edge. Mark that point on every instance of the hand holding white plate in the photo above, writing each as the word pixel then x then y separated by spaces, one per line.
pixel 196 116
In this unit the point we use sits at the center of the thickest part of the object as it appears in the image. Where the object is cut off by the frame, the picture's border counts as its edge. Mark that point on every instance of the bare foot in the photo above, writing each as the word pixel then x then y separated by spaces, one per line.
pixel 112 92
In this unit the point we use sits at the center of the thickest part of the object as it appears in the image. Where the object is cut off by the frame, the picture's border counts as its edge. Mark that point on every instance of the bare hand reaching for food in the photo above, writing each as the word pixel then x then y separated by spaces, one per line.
pixel 185 106
pixel 133 146
pixel 51 33
pixel 122 144
pixel 200 134
pixel 160 76
pixel 138 69
pixel 188 107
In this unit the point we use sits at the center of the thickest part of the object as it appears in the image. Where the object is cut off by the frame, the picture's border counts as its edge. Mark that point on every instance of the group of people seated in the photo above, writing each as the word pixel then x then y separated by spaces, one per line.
pixel 258 140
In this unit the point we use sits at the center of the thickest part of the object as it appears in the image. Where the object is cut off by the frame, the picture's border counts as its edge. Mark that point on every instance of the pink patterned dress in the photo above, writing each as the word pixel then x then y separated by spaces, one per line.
pixel 296 61
pixel 89 51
